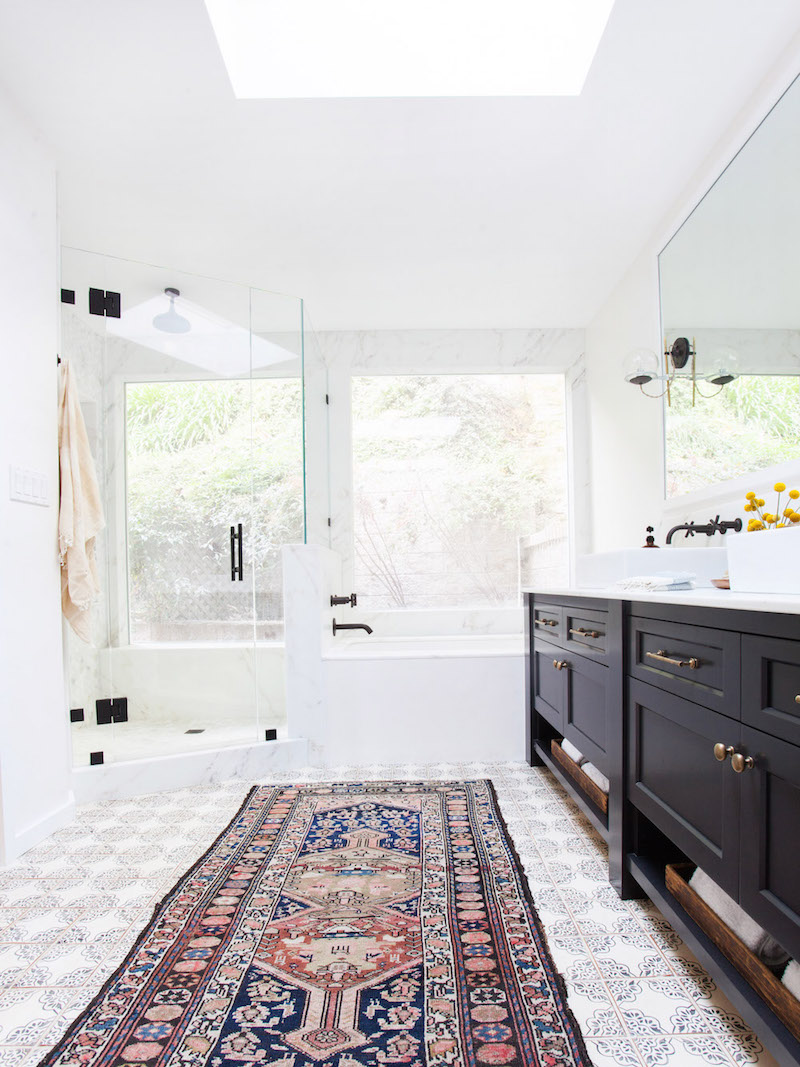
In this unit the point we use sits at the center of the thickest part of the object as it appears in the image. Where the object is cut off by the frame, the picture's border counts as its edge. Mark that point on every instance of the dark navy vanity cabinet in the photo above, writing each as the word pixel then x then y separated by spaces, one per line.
pixel 693 713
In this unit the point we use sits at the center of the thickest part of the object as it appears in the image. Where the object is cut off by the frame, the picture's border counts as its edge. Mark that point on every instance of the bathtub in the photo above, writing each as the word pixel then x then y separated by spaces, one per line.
pixel 427 699
pixel 436 646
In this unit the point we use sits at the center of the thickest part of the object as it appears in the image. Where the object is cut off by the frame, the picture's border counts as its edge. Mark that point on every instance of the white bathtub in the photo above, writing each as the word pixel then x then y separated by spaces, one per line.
pixel 436 646
pixel 429 699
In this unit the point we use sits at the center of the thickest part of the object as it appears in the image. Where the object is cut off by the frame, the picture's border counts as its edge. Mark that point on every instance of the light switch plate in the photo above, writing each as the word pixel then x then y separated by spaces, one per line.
pixel 28 486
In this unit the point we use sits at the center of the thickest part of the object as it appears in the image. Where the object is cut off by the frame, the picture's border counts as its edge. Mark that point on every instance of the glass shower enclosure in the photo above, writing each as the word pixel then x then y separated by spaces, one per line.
pixel 192 391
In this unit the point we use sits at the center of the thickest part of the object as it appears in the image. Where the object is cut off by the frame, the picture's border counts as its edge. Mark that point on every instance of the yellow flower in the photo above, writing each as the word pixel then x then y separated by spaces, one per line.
pixel 749 507
pixel 757 525
pixel 779 487
pixel 794 493
pixel 795 517
pixel 760 502
pixel 788 512
pixel 750 496
pixel 780 525
pixel 768 517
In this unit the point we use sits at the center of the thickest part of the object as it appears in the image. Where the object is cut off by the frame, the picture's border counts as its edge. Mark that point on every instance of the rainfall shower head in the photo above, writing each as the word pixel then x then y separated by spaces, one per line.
pixel 170 321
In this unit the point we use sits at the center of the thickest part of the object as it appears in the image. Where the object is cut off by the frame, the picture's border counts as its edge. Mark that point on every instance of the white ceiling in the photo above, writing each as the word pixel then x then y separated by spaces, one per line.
pixel 382 213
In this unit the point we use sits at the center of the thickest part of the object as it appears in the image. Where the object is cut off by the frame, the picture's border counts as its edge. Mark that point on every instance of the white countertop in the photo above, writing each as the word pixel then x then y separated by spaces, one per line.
pixel 700 597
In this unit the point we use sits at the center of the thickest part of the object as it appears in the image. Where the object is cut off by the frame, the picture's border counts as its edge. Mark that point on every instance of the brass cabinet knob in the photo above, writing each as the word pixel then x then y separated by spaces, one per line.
pixel 797 699
pixel 742 763
pixel 723 751
pixel 560 664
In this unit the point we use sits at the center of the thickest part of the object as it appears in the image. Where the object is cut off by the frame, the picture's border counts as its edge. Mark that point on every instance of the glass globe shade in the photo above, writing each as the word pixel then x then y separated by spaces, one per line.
pixel 641 366
pixel 722 366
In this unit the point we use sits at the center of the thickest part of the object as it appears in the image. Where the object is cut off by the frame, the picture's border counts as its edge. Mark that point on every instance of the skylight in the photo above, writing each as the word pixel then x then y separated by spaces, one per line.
pixel 368 48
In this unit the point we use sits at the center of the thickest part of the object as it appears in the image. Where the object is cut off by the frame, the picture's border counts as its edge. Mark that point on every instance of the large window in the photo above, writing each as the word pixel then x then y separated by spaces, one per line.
pixel 456 478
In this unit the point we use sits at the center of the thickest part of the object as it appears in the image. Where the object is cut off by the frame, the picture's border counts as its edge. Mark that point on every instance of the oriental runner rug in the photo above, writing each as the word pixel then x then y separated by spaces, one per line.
pixel 358 924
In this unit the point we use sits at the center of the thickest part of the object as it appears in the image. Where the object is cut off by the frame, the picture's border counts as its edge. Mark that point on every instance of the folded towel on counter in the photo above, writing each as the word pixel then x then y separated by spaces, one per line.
pixel 596 776
pixel 660 582
pixel 724 907
pixel 569 749
pixel 791 978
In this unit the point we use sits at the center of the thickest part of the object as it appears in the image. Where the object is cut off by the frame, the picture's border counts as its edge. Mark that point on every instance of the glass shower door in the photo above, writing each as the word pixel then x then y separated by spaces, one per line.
pixel 190 619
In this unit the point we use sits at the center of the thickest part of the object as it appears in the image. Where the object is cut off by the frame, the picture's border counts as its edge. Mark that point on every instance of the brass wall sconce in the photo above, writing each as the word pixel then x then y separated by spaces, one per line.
pixel 642 366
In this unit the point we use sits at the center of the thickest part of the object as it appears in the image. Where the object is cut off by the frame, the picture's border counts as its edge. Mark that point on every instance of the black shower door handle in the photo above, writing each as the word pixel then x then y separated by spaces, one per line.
pixel 237 570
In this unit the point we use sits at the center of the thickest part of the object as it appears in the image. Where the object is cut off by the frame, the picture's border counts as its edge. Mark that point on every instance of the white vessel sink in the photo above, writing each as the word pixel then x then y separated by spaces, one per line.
pixel 605 568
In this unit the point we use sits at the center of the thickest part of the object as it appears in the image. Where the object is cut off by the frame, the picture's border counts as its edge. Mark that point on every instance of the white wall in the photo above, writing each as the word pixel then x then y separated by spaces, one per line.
pixel 626 429
pixel 35 790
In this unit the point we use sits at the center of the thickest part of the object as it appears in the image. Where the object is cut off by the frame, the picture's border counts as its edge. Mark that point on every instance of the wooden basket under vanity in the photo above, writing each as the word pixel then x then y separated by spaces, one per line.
pixel 583 781
pixel 760 977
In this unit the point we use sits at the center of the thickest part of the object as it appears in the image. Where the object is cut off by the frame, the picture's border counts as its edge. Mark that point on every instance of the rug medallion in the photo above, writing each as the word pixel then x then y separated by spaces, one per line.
pixel 341 925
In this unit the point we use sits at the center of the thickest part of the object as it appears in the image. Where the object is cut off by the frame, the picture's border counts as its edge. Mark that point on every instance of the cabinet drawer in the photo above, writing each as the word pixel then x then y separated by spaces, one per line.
pixel 586 708
pixel 548 683
pixel 771 686
pixel 675 780
pixel 691 661
pixel 586 629
pixel 546 621
pixel 770 873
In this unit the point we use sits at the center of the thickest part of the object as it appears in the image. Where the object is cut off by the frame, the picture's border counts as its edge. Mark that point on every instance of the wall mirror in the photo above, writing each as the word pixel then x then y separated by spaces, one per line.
pixel 730 282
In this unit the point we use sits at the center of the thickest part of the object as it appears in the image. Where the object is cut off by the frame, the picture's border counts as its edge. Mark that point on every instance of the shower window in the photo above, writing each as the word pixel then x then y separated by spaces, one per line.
pixel 458 479
pixel 203 456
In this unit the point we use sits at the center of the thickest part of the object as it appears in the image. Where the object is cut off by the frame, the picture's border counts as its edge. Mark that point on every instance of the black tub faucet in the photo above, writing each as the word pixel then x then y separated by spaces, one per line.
pixel 709 529
pixel 350 626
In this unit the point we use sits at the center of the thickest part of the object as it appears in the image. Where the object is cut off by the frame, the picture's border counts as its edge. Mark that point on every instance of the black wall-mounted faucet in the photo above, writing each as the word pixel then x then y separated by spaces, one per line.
pixel 350 626
pixel 709 529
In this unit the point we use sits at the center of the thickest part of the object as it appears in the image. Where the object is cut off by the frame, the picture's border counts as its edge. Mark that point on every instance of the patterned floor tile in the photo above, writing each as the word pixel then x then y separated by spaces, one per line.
pixel 659 1006
pixel 628 956
pixel 638 993
pixel 613 1052
pixel 697 1051
pixel 593 1009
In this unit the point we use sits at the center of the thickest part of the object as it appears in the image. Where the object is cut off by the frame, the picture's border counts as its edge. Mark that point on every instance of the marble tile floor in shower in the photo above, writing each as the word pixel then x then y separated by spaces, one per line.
pixel 72 907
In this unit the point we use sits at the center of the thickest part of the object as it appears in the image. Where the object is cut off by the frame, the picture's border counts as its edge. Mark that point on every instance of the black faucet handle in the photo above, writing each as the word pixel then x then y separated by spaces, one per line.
pixel 351 600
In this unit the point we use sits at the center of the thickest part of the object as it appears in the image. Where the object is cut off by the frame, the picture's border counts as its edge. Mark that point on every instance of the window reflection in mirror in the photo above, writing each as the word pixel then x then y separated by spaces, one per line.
pixel 750 424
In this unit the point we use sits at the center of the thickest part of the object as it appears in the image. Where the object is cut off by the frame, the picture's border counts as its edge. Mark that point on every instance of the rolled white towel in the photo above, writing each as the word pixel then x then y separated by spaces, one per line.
pixel 791 978
pixel 569 749
pixel 663 581
pixel 735 918
pixel 596 776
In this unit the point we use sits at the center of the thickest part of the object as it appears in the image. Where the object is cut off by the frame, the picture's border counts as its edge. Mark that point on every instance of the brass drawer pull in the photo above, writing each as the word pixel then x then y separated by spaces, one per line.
pixel 586 633
pixel 797 699
pixel 560 664
pixel 742 763
pixel 692 663
pixel 723 751
pixel 546 622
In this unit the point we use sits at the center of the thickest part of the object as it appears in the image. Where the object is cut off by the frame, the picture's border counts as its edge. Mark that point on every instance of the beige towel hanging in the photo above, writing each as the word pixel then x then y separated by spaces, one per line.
pixel 80 516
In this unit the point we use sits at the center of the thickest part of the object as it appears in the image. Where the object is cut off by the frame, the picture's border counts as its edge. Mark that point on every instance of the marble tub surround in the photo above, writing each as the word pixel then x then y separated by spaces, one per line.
pixel 400 697
pixel 72 907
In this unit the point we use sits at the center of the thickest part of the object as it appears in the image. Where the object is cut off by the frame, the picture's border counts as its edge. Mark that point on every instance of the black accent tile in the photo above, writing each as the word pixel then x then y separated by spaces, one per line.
pixel 271 735
pixel 95 759
pixel 76 715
